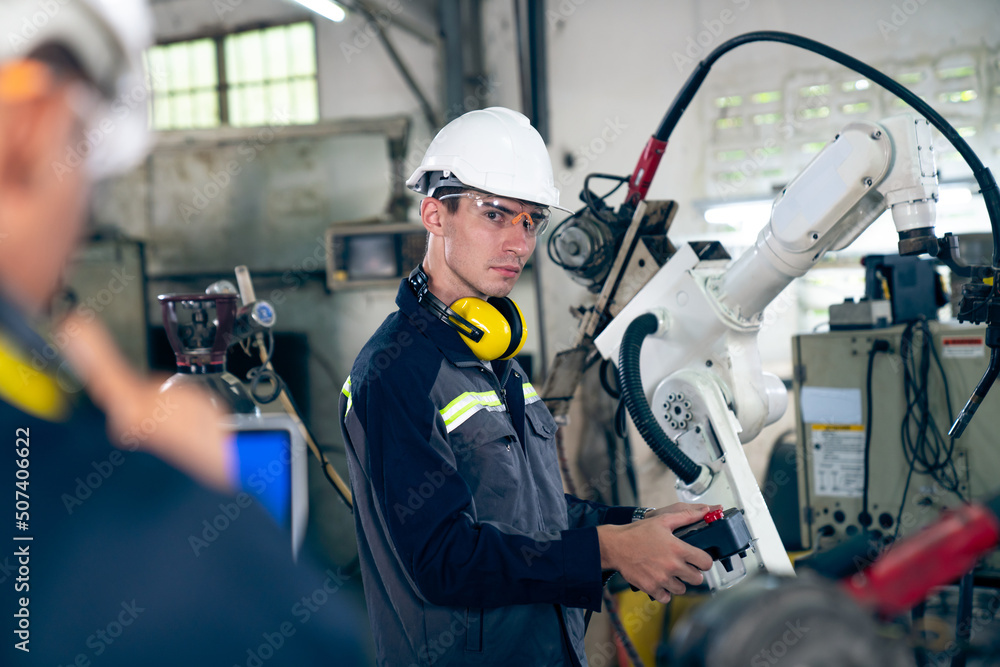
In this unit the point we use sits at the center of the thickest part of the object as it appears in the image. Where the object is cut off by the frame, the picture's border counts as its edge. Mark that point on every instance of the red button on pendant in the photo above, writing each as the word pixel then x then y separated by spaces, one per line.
pixel 714 516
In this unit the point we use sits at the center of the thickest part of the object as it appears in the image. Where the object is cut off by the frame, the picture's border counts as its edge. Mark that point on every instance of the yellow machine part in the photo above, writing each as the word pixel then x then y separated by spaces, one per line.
pixel 642 619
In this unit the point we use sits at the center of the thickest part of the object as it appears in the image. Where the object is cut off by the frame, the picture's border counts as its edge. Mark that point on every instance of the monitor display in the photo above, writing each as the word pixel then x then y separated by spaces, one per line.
pixel 371 256
pixel 264 463
pixel 269 463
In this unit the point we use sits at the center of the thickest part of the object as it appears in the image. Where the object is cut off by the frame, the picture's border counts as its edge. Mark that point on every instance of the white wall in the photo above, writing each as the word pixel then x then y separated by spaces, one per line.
pixel 180 19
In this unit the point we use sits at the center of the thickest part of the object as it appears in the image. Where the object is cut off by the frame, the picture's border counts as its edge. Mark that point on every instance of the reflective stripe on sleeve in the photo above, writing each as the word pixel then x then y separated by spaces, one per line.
pixel 530 395
pixel 346 391
pixel 468 404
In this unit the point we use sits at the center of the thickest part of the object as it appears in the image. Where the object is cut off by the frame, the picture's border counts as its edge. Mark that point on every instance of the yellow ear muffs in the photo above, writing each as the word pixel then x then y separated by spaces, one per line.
pixel 502 323
pixel 492 329
pixel 515 318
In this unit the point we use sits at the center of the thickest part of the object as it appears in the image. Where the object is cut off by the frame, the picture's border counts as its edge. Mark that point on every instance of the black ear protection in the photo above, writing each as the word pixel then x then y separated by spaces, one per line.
pixel 493 329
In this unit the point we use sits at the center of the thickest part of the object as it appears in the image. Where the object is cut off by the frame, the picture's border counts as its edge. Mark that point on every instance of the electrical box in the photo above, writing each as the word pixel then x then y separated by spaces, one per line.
pixel 831 388
pixel 372 255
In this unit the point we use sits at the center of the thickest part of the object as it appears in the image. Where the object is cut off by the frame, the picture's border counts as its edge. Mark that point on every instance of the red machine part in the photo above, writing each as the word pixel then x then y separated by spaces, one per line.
pixel 645 169
pixel 936 556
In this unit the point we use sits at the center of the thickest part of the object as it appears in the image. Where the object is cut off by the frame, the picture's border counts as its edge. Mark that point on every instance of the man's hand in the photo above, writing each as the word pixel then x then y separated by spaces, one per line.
pixel 649 557
pixel 180 425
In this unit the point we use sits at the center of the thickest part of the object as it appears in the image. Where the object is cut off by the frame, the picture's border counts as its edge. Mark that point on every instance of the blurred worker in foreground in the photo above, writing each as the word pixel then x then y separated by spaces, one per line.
pixel 470 551
pixel 113 557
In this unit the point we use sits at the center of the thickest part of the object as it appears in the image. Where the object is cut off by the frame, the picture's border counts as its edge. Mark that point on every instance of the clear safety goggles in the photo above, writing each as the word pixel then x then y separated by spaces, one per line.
pixel 500 211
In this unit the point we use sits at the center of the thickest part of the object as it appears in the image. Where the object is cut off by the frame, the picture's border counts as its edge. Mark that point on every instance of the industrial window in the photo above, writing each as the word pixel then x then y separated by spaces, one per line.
pixel 254 77
pixel 272 73
pixel 728 101
pixel 765 97
pixel 185 81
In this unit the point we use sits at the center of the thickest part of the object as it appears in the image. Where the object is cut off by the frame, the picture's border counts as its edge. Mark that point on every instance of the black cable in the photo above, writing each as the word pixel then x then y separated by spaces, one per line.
pixel 263 373
pixel 596 206
pixel 926 449
pixel 917 623
pixel 616 621
pixel 621 428
pixel 613 392
pixel 621 423
pixel 963 620
pixel 987 184
pixel 635 400
pixel 587 195
pixel 878 345
pixel 630 468
pixel 989 377
pixel 902 503
pixel 611 447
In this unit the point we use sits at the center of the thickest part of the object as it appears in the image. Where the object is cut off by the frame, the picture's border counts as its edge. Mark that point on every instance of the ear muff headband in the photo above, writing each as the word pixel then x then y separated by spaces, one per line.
pixel 492 329
pixel 418 283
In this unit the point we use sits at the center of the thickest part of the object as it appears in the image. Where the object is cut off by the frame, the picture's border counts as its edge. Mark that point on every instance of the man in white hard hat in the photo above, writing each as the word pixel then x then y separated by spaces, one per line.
pixel 470 551
pixel 101 568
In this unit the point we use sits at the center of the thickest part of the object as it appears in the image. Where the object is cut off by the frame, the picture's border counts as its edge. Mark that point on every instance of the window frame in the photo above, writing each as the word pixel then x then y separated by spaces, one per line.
pixel 223 85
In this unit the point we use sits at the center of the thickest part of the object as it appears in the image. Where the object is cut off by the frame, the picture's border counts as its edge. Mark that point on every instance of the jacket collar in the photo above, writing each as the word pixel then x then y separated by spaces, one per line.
pixel 449 341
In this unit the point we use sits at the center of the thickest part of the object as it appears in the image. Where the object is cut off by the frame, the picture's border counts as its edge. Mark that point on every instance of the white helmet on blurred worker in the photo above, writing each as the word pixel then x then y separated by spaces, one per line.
pixel 495 150
pixel 106 40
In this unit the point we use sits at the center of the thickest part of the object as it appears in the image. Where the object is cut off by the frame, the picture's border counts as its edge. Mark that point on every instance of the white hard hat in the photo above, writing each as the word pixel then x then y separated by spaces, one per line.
pixel 495 150
pixel 107 38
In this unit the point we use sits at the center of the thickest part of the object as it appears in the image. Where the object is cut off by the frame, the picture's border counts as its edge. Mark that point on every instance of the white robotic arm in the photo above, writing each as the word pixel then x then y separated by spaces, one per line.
pixel 702 366
pixel 867 168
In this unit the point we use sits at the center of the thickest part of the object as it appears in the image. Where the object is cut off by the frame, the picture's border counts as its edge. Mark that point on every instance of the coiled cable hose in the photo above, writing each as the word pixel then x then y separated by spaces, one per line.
pixel 635 400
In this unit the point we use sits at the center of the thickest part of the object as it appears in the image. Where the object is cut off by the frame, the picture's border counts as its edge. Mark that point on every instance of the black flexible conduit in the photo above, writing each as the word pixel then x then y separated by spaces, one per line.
pixel 963 620
pixel 983 176
pixel 989 377
pixel 635 400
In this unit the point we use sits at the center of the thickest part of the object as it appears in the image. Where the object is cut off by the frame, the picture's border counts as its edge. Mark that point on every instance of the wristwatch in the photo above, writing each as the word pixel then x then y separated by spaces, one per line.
pixel 640 513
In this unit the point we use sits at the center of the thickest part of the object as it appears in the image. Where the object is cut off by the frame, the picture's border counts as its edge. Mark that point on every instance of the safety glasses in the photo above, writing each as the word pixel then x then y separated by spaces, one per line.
pixel 501 212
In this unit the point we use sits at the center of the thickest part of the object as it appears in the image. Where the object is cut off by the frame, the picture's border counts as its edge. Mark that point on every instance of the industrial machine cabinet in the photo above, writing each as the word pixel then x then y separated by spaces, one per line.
pixel 831 387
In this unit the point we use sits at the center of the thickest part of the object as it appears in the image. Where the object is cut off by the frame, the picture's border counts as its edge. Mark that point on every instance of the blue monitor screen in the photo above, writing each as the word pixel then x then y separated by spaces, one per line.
pixel 264 466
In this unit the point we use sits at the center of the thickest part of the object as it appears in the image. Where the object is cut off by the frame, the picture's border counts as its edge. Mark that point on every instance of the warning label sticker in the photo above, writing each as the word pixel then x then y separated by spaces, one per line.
pixel 838 453
pixel 963 347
